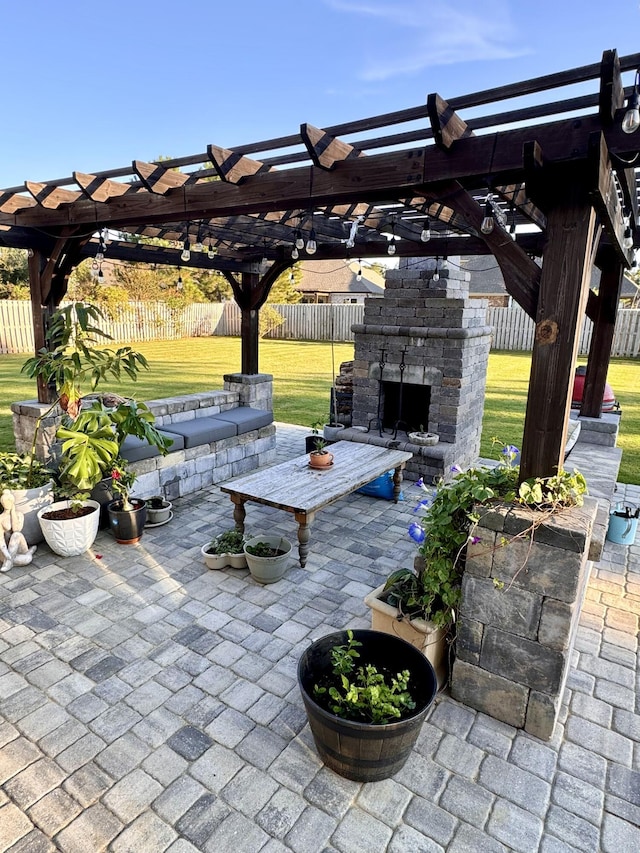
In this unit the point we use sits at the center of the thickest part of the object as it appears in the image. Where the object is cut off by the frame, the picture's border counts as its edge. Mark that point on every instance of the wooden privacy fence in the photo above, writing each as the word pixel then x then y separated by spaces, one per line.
pixel 148 321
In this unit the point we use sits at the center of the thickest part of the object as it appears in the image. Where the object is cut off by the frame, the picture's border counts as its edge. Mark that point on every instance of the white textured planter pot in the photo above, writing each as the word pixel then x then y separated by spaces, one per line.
pixel 268 569
pixel 28 502
pixel 425 636
pixel 70 536
pixel 221 561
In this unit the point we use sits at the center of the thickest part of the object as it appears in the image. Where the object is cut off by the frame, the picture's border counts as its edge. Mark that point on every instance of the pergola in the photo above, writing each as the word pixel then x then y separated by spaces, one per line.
pixel 554 179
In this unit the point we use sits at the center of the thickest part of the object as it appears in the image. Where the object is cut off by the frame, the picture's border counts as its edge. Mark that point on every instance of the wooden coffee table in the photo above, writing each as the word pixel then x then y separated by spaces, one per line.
pixel 297 488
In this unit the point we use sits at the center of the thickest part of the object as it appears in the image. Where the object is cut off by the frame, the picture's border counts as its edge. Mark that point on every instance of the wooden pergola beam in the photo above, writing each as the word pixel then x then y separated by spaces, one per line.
pixel 157 179
pixel 101 189
pixel 324 149
pixel 232 167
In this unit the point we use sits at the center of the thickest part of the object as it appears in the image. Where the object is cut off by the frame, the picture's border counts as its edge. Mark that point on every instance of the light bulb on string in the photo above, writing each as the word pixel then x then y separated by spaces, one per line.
pixel 627 240
pixel 425 234
pixel 311 243
pixel 291 277
pixel 436 274
pixel 186 251
pixel 512 229
pixel 212 251
pixel 100 252
pixel 295 254
pixel 445 264
pixel 631 120
pixel 299 241
pixel 359 273
pixel 100 276
pixel 179 284
pixel 391 248
pixel 95 267
pixel 488 222
pixel 198 244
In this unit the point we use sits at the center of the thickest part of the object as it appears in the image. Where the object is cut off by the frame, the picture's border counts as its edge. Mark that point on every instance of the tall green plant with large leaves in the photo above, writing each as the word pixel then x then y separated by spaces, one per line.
pixel 73 359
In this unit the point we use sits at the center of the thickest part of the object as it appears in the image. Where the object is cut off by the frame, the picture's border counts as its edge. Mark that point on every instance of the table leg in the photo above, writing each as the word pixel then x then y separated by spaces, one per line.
pixel 304 520
pixel 397 482
pixel 239 512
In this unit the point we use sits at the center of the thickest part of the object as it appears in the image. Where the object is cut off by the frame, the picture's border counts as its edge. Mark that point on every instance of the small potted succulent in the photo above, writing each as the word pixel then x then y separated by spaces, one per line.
pixel 224 550
pixel 320 457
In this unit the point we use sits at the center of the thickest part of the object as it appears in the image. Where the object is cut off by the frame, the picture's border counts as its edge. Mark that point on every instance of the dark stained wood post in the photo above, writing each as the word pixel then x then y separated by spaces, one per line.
pixel 604 324
pixel 37 266
pixel 564 285
pixel 249 324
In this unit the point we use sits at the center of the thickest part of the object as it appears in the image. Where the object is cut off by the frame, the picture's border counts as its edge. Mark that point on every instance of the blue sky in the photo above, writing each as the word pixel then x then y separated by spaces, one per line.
pixel 92 86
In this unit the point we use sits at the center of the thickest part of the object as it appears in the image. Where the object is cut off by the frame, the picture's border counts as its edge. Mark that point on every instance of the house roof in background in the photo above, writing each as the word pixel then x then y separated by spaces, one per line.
pixel 338 276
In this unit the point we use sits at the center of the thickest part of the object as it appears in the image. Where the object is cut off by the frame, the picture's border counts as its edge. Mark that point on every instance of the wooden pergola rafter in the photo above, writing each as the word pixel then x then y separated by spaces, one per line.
pixel 563 167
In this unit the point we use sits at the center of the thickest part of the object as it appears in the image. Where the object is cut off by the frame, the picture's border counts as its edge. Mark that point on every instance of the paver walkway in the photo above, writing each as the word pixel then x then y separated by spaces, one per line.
pixel 148 704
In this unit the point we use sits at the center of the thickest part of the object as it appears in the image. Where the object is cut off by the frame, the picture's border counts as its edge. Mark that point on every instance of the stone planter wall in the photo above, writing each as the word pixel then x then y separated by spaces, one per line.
pixel 514 643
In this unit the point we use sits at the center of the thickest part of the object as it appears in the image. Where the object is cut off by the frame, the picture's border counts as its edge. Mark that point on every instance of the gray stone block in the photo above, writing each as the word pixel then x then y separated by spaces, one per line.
pixel 522 660
pixel 539 568
pixel 542 714
pixel 556 620
pixel 490 693
pixel 515 610
pixel 469 640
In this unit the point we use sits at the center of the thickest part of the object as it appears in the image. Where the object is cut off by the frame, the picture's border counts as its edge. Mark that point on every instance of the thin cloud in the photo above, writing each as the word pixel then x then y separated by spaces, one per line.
pixel 423 34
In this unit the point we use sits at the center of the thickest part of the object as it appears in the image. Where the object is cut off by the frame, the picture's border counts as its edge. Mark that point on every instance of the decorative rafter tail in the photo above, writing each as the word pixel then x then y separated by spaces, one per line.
pixel 49 196
pixel 326 150
pixel 156 178
pixel 14 202
pixel 446 124
pixel 101 189
pixel 233 167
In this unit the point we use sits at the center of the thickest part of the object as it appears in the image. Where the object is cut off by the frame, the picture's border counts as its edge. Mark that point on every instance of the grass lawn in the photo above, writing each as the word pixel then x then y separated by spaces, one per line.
pixel 302 379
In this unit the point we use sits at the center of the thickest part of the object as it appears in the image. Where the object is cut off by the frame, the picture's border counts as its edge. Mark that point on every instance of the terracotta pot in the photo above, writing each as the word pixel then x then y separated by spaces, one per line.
pixel 320 460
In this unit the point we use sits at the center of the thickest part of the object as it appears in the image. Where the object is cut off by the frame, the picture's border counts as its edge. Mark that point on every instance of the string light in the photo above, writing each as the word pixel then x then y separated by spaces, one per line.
pixel 425 234
pixel 391 248
pixel 101 249
pixel 95 267
pixel 212 250
pixel 100 276
pixel 295 254
pixel 264 263
pixel 631 120
pixel 299 241
pixel 198 244
pixel 179 284
pixel 436 274
pixel 627 241
pixel 186 251
pixel 359 273
pixel 311 246
pixel 291 277
pixel 488 222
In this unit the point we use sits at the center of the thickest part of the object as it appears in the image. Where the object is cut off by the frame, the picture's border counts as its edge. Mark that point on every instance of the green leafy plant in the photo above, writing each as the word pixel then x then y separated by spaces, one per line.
pixel 432 591
pixel 21 471
pixel 320 446
pixel 229 542
pixel 263 549
pixel 364 693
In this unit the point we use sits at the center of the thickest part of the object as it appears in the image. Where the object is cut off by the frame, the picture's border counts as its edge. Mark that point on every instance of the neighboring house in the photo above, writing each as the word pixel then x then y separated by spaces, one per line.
pixel 336 282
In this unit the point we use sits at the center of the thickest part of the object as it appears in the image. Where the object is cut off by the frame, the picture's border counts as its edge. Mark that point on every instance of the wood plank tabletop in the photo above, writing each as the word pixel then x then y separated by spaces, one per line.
pixel 296 487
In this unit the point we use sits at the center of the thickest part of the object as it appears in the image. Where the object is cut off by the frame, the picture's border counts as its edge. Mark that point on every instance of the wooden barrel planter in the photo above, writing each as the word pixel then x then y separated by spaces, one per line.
pixel 366 752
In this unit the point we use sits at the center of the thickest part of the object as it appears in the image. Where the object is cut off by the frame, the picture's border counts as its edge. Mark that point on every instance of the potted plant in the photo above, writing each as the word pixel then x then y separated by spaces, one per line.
pixel 420 603
pixel 320 457
pixel 267 557
pixel 366 695
pixel 88 446
pixel 127 515
pixel 310 440
pixel 159 510
pixel 31 483
pixel 227 549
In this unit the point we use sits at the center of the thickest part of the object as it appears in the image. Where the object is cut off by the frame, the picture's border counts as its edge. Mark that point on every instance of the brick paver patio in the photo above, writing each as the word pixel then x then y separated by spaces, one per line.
pixel 148 704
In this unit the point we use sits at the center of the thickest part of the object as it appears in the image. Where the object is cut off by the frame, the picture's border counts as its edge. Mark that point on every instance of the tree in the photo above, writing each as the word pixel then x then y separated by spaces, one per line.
pixel 284 290
pixel 14 274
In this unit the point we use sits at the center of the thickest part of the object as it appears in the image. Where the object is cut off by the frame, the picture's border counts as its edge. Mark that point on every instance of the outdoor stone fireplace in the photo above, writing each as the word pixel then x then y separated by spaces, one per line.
pixel 420 364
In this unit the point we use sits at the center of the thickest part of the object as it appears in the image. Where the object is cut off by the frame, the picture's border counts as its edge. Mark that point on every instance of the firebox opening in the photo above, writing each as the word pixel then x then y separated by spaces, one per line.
pixel 411 413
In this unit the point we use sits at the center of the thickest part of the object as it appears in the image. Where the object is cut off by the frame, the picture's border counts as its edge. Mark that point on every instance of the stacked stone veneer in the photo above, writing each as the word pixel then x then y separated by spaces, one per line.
pixel 446 342
pixel 185 471
pixel 514 643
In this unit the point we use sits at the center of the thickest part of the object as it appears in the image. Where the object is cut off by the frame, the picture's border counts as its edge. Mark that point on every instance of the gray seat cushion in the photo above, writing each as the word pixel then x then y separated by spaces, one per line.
pixel 134 449
pixel 201 430
pixel 247 418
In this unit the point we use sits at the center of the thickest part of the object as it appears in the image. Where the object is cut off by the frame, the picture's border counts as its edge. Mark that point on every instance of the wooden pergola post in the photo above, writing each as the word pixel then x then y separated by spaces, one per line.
pixel 564 287
pixel 37 265
pixel 604 322
pixel 249 324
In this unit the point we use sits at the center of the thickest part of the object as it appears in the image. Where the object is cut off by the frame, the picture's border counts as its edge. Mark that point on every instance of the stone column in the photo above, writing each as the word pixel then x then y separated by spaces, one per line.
pixel 25 417
pixel 255 389
pixel 521 601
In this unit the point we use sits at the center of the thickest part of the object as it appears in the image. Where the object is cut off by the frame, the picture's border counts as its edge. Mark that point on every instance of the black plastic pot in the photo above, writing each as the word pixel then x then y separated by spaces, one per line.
pixel 103 493
pixel 127 525
pixel 366 752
